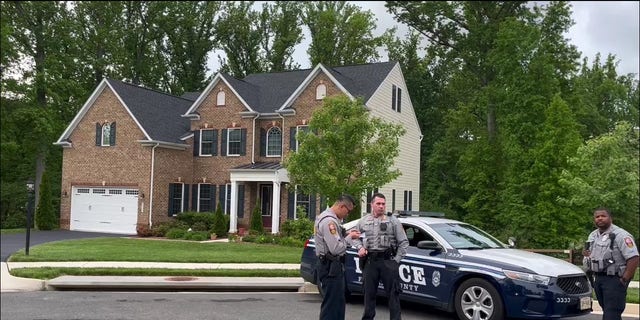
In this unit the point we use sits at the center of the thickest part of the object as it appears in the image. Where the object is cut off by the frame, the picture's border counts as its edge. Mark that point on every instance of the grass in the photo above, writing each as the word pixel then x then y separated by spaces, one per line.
pixel 47 273
pixel 10 231
pixel 147 250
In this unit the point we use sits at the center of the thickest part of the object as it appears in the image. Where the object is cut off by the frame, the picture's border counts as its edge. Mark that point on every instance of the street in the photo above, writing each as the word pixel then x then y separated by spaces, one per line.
pixel 65 305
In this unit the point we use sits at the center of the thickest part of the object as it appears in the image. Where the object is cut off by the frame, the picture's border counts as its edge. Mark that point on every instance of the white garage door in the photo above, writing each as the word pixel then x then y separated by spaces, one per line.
pixel 111 210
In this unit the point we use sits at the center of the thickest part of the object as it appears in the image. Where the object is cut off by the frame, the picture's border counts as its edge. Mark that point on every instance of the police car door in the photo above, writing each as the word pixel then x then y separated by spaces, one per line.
pixel 422 271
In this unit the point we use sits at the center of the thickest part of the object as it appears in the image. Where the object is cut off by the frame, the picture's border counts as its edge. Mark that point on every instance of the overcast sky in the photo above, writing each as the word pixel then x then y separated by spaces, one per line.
pixel 600 26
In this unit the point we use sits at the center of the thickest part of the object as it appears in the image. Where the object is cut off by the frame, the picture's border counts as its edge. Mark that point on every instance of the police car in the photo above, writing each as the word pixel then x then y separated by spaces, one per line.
pixel 454 266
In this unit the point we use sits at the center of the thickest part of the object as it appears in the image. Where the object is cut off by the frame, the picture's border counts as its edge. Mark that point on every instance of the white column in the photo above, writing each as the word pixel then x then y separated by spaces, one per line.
pixel 233 221
pixel 275 208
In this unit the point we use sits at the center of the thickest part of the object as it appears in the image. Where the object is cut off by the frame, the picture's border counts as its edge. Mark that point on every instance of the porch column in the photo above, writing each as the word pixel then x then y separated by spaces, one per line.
pixel 275 208
pixel 233 221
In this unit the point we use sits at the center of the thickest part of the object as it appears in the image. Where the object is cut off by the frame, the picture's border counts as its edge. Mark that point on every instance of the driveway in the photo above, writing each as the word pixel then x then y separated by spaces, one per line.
pixel 13 242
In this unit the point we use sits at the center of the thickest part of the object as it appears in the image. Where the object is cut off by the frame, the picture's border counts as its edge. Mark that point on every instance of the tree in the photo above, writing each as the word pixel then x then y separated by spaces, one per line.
pixel 604 172
pixel 280 24
pixel 219 226
pixel 341 33
pixel 46 214
pixel 345 151
pixel 256 219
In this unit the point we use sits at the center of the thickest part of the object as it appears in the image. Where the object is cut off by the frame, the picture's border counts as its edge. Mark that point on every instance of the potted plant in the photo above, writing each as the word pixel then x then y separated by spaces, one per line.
pixel 214 236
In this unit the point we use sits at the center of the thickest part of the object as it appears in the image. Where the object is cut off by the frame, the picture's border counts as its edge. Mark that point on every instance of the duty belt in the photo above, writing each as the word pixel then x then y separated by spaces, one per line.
pixel 380 254
pixel 329 257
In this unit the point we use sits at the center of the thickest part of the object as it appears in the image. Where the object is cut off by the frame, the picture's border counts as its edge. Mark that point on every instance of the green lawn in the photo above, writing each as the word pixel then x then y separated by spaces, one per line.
pixel 145 249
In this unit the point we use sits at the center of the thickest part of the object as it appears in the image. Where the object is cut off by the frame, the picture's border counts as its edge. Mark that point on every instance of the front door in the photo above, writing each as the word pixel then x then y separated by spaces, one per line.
pixel 266 196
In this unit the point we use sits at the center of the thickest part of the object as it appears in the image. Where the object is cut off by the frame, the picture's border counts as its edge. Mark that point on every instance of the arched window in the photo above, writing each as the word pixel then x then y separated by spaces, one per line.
pixel 321 91
pixel 220 99
pixel 274 142
pixel 106 134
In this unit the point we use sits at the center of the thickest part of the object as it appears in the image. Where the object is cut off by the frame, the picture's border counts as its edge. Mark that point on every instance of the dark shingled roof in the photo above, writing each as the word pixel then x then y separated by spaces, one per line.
pixel 261 165
pixel 158 113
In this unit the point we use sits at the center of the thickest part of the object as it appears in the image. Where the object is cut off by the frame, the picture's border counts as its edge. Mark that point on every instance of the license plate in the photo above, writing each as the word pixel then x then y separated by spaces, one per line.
pixel 585 303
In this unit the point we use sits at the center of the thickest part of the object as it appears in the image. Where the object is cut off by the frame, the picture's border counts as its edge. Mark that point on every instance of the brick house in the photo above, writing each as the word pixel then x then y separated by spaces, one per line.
pixel 135 157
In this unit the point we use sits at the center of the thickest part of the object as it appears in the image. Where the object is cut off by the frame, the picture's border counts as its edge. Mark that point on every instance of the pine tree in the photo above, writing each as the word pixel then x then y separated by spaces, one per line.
pixel 256 219
pixel 219 226
pixel 46 217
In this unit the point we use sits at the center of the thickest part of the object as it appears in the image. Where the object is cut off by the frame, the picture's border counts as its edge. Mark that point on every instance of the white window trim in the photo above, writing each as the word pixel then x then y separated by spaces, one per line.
pixel 321 91
pixel 108 142
pixel 295 201
pixel 227 199
pixel 268 140
pixel 199 185
pixel 221 98
pixel 181 199
pixel 200 147
pixel 299 129
pixel 229 140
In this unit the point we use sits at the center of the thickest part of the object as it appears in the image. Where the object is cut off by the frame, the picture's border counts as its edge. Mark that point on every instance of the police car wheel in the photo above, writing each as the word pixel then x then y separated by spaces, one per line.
pixel 478 299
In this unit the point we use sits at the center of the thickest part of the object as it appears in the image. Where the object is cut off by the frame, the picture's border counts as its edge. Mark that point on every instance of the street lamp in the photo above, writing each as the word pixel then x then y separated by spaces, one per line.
pixel 31 187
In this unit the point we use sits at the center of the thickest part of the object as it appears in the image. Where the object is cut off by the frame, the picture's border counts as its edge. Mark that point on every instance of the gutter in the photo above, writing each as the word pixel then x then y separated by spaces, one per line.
pixel 253 145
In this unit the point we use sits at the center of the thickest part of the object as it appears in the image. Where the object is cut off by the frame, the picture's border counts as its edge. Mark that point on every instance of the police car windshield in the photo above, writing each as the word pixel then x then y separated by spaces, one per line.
pixel 465 236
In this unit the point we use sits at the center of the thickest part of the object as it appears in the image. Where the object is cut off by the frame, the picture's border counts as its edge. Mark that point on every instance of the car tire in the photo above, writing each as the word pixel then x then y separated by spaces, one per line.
pixel 478 299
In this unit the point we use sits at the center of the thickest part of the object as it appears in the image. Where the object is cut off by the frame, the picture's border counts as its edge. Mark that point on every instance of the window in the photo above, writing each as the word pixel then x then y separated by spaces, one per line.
pixel 234 142
pixel 274 142
pixel 105 134
pixel 321 91
pixel 207 142
pixel 204 198
pixel 221 99
pixel 302 201
pixel 300 129
pixel 396 98
pixel 176 193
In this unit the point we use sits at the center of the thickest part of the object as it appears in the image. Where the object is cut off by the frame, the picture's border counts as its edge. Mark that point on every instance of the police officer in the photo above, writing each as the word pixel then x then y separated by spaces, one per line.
pixel 330 249
pixel 383 243
pixel 612 257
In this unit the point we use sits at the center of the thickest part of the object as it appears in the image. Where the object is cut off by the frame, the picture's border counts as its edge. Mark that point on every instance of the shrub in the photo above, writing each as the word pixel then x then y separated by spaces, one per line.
pixel 176 233
pixel 199 226
pixel 290 242
pixel 46 215
pixel 196 236
pixel 300 229
pixel 220 224
pixel 256 219
pixel 191 218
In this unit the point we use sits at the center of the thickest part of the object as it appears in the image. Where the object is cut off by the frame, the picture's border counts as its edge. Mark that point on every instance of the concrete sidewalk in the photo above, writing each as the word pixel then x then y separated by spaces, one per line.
pixel 9 283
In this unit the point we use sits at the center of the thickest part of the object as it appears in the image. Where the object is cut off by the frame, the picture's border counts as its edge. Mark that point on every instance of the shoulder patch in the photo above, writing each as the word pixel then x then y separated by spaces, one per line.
pixel 629 242
pixel 332 228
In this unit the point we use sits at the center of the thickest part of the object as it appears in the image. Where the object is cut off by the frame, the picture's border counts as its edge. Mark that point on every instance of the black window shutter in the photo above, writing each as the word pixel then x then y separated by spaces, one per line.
pixel 214 147
pixel 98 134
pixel 410 200
pixel 292 204
pixel 185 200
pixel 112 137
pixel 406 198
pixel 170 211
pixel 393 97
pixel 292 139
pixel 369 197
pixel 223 145
pixel 263 142
pixel 399 99
pixel 196 143
pixel 241 201
pixel 312 206
pixel 393 200
pixel 194 197
pixel 323 203
pixel 213 197
pixel 222 194
pixel 243 141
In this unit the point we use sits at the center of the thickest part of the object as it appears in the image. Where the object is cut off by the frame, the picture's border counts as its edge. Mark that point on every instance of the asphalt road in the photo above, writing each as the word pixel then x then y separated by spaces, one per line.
pixel 13 242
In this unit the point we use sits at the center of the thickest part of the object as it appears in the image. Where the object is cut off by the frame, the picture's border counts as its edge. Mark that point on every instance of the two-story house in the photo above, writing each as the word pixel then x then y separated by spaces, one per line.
pixel 134 157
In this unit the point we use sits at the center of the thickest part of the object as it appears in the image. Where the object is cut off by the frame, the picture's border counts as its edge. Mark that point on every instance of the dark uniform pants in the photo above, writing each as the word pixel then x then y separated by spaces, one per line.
pixel 385 270
pixel 331 280
pixel 612 296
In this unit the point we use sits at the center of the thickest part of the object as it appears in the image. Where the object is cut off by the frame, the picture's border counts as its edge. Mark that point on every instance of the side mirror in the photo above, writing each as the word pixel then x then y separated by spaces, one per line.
pixel 427 244
pixel 512 242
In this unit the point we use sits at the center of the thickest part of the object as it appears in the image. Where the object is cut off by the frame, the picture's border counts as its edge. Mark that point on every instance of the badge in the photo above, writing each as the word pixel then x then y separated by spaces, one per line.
pixel 629 242
pixel 435 278
pixel 605 237
pixel 332 228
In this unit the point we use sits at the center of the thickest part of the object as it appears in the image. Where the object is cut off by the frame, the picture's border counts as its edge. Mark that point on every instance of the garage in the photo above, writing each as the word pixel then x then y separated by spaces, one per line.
pixel 104 209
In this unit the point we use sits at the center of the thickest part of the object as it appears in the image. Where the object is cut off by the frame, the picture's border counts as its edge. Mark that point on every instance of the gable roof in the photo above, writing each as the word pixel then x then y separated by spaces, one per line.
pixel 271 92
pixel 157 114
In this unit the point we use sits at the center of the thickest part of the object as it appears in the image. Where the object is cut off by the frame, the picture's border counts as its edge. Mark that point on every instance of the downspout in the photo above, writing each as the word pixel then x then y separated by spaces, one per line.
pixel 153 162
pixel 253 146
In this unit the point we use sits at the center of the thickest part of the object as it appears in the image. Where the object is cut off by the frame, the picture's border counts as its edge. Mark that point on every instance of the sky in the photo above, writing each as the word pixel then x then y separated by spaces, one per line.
pixel 600 26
